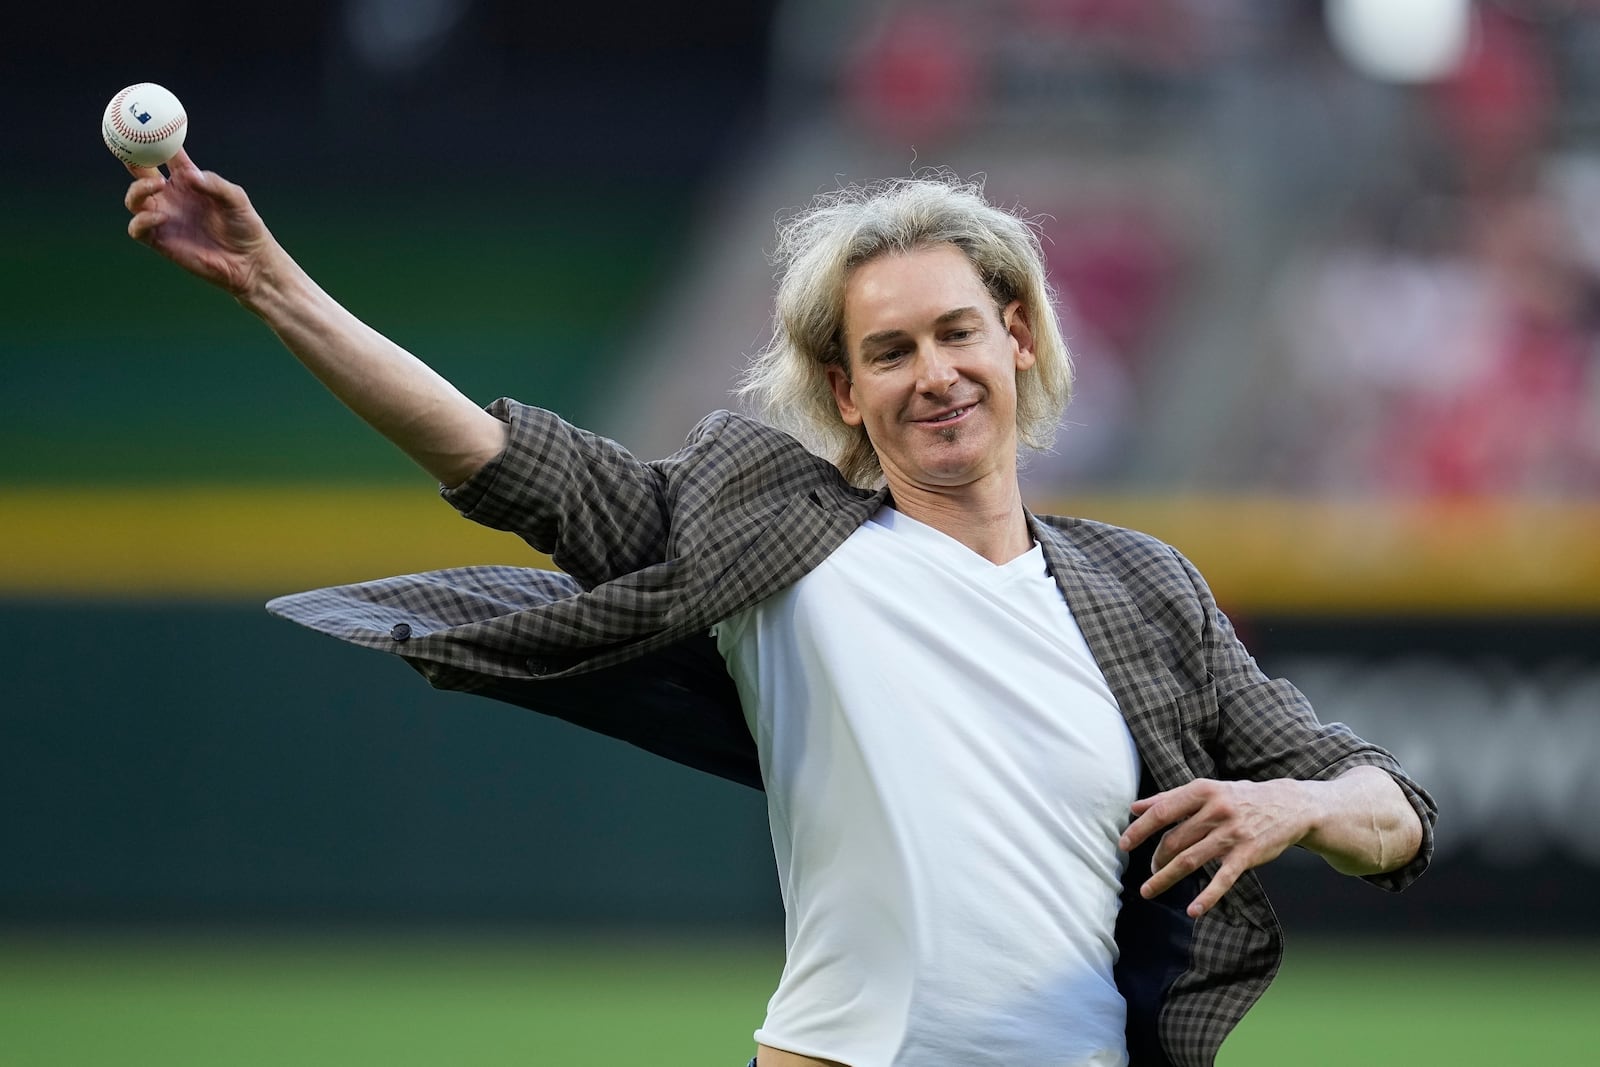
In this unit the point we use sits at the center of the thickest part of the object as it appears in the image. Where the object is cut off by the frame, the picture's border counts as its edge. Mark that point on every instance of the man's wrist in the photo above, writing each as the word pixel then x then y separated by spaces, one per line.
pixel 273 283
pixel 1354 824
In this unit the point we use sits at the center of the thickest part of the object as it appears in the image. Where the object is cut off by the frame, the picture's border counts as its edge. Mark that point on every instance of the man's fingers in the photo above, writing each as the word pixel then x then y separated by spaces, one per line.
pixel 1179 867
pixel 141 191
pixel 1214 891
pixel 1242 824
pixel 182 164
pixel 1160 811
pixel 142 225
pixel 1151 822
pixel 182 170
pixel 1176 841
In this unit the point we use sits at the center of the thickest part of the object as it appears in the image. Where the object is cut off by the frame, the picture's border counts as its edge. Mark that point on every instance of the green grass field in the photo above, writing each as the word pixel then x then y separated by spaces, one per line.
pixel 347 1001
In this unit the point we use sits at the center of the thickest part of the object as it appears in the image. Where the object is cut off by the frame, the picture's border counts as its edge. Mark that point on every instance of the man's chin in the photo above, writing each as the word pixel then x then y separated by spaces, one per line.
pixel 949 471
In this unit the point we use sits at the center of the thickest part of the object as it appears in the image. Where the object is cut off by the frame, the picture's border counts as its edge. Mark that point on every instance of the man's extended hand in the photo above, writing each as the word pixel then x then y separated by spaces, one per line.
pixel 1360 822
pixel 1243 824
pixel 198 220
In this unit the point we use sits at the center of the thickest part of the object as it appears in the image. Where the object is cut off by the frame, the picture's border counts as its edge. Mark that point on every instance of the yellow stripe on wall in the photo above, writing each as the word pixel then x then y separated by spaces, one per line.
pixel 231 543
pixel 1260 554
pixel 1350 557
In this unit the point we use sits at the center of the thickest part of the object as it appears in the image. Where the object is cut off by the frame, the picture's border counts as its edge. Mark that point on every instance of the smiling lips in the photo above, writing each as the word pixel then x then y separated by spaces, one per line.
pixel 948 416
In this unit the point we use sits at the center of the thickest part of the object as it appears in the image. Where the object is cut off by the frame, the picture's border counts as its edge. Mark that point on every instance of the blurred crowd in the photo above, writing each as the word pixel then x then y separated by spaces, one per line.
pixel 1458 354
pixel 1444 337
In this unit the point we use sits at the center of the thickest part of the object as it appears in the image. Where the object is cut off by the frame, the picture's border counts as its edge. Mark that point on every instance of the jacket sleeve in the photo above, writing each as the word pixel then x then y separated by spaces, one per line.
pixel 598 511
pixel 1265 728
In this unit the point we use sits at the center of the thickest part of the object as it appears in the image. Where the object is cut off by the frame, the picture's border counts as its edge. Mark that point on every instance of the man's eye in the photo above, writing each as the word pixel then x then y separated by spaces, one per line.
pixel 959 335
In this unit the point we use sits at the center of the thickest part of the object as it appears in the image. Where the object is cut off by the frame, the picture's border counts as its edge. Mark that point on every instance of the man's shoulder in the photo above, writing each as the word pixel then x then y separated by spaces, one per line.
pixel 723 419
pixel 734 429
pixel 747 454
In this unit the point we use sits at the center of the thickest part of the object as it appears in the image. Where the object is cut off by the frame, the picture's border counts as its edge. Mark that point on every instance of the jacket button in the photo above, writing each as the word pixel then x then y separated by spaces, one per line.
pixel 401 631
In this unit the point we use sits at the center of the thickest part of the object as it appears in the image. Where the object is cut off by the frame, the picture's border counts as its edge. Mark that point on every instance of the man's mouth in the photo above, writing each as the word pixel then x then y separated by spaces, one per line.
pixel 949 416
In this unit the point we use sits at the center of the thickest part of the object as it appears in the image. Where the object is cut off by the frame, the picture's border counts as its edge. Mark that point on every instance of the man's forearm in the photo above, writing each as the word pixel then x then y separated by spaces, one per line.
pixel 394 392
pixel 1363 823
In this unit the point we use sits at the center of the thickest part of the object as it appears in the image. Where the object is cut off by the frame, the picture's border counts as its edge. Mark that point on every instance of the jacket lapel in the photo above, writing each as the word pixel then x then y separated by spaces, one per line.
pixel 1119 636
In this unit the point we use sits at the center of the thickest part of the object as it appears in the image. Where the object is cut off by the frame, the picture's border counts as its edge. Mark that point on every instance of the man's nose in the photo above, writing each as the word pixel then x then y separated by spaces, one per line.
pixel 936 372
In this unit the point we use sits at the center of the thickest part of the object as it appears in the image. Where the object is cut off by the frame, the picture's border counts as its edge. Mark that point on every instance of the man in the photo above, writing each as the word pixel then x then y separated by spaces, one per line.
pixel 1018 768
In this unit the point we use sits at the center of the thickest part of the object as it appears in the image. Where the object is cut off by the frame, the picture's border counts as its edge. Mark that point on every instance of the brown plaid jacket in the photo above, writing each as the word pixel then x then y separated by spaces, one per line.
pixel 656 553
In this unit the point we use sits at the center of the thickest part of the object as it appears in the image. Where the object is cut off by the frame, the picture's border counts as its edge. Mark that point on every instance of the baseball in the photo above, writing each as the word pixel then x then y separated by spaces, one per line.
pixel 144 125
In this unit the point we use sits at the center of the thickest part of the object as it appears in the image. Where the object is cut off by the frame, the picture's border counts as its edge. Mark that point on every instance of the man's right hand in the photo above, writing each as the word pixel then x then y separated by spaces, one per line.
pixel 201 222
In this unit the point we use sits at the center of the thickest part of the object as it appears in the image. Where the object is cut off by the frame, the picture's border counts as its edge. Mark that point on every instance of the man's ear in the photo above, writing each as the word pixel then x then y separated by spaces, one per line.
pixel 839 382
pixel 1015 318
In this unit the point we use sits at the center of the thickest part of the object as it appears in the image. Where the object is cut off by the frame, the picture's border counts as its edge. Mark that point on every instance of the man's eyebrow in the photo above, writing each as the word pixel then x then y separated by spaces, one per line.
pixel 884 336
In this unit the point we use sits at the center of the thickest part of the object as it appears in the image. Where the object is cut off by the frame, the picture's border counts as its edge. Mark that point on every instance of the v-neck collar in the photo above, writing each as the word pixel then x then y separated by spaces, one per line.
pixel 957 553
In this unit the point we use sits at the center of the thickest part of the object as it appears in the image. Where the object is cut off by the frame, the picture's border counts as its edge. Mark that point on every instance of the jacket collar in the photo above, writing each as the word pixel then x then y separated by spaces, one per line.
pixel 1119 636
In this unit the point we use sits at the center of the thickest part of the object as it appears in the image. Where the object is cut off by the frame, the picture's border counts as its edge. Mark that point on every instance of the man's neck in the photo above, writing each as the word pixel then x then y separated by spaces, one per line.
pixel 989 519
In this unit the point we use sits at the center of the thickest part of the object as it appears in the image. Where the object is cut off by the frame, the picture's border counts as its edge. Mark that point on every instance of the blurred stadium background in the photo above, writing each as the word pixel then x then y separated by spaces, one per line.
pixel 1332 271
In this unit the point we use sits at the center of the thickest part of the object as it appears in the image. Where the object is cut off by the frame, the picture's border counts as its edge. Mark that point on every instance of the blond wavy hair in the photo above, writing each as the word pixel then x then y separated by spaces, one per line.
pixel 820 247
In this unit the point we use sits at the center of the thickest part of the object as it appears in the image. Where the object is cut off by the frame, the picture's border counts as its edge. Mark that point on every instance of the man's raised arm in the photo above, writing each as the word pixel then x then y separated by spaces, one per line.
pixel 207 226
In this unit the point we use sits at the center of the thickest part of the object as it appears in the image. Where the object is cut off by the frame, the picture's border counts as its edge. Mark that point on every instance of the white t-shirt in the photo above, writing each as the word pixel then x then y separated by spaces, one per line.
pixel 947 773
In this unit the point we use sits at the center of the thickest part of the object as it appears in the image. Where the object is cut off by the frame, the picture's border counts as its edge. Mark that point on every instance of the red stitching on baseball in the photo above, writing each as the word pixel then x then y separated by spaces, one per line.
pixel 143 136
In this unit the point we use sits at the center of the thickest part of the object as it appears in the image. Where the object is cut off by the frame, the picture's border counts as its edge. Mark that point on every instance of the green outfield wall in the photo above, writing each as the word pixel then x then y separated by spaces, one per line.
pixel 190 761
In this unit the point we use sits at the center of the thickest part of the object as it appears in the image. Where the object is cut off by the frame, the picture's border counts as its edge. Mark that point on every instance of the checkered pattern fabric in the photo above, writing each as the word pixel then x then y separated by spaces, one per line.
pixel 655 553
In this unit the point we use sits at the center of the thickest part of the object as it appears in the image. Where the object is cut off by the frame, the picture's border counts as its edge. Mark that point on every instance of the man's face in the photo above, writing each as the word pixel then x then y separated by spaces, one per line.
pixel 933 369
